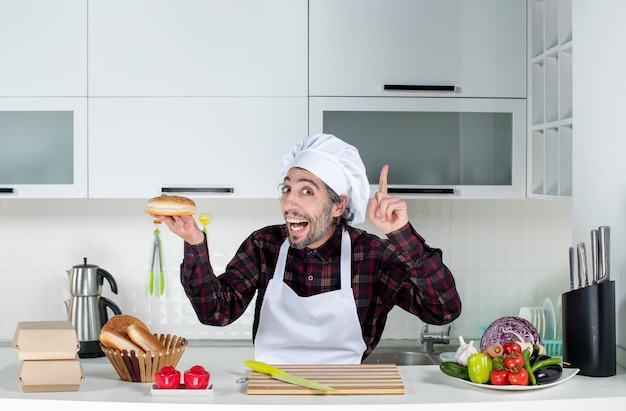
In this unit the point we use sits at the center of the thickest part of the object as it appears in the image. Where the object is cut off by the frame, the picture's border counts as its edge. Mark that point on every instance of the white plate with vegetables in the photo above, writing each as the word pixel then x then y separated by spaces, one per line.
pixel 568 373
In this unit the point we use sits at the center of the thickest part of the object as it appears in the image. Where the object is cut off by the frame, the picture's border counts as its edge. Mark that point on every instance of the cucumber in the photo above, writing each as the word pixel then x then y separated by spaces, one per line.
pixel 454 369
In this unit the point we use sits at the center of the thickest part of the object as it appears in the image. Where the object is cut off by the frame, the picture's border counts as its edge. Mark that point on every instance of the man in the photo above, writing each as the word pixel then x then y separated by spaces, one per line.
pixel 324 287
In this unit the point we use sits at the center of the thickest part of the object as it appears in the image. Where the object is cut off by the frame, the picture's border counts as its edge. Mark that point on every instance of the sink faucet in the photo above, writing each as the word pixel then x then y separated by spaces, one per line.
pixel 429 338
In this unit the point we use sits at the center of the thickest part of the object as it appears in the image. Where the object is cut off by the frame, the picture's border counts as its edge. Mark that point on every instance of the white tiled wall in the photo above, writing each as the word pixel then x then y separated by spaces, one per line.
pixel 504 254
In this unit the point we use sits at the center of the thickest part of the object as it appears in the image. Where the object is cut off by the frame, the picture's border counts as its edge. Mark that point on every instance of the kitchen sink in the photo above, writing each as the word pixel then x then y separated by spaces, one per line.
pixel 401 357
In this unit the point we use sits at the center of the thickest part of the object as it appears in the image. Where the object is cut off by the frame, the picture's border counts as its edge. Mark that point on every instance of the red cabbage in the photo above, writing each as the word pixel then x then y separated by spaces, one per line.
pixel 505 329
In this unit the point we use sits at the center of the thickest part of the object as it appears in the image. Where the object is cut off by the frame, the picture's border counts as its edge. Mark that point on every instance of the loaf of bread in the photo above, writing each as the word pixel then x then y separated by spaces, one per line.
pixel 117 341
pixel 119 324
pixel 144 338
pixel 126 332
pixel 170 205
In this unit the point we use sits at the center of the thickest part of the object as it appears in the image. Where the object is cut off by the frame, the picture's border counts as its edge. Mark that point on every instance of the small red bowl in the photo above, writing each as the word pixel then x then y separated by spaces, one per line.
pixel 196 378
pixel 167 377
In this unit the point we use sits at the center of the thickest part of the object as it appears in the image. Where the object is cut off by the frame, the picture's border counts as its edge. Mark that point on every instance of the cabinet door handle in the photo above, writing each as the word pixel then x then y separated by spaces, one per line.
pixel 205 190
pixel 409 190
pixel 420 87
pixel 6 190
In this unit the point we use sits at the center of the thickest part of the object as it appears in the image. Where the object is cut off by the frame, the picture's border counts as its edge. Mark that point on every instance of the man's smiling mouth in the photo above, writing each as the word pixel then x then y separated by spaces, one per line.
pixel 296 225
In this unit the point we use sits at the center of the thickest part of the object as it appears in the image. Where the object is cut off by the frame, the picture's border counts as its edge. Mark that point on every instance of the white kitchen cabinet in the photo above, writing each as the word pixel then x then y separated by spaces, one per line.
pixel 550 99
pixel 197 48
pixel 43 147
pixel 358 46
pixel 452 148
pixel 139 146
pixel 43 45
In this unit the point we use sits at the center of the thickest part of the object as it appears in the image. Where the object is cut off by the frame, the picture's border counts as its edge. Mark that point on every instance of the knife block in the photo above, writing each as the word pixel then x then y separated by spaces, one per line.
pixel 589 336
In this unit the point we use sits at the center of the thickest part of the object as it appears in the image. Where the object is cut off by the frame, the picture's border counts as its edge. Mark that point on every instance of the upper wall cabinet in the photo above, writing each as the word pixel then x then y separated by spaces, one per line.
pixel 221 147
pixel 43 147
pixel 438 48
pixel 435 147
pixel 43 48
pixel 197 48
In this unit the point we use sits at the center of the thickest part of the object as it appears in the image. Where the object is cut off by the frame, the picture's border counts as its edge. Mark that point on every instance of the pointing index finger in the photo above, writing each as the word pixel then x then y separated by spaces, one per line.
pixel 382 182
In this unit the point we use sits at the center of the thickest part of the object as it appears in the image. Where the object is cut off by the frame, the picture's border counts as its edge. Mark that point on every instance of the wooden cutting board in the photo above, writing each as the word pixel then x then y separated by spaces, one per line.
pixel 357 379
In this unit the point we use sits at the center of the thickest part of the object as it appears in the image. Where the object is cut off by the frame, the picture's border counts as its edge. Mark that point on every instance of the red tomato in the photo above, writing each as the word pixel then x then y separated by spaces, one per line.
pixel 196 377
pixel 499 377
pixel 511 347
pixel 167 377
pixel 518 378
pixel 513 361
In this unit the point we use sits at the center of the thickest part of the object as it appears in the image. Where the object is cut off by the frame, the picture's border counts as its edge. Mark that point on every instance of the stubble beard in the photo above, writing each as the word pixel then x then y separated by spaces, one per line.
pixel 317 229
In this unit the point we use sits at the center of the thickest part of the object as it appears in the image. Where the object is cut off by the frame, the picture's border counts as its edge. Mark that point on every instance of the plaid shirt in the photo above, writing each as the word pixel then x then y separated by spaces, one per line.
pixel 401 270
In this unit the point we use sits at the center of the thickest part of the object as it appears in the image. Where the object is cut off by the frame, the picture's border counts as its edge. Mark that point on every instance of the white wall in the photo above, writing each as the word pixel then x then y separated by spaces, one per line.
pixel 599 64
pixel 504 254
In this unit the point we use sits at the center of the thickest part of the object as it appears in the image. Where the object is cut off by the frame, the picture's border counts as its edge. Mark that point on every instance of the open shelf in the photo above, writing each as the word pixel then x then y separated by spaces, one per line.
pixel 550 99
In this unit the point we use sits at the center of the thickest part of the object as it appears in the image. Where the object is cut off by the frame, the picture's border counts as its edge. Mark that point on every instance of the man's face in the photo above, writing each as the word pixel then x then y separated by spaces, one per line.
pixel 307 209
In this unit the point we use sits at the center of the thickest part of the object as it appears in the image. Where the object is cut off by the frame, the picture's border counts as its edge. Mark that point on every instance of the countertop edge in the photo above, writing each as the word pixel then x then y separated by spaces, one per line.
pixel 426 387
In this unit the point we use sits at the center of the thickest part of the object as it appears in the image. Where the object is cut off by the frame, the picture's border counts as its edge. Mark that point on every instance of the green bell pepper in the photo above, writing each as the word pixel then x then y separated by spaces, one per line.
pixel 479 367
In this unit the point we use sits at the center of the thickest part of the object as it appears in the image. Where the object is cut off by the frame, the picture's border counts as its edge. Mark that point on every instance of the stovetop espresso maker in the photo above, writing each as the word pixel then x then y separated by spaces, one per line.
pixel 87 309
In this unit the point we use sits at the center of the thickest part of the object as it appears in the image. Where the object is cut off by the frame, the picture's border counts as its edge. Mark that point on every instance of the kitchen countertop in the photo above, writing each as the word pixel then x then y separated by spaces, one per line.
pixel 424 385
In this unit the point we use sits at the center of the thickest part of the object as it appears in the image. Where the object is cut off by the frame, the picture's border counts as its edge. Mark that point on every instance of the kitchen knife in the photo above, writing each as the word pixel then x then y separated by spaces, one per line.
pixel 281 375
pixel 572 264
pixel 604 253
pixel 594 256
pixel 582 265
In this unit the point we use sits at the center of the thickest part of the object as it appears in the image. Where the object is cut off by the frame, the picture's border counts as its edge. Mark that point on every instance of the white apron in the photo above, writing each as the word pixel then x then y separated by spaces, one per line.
pixel 321 329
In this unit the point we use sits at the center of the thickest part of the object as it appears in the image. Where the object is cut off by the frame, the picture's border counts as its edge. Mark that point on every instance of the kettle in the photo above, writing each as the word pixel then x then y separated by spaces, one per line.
pixel 87 279
pixel 87 309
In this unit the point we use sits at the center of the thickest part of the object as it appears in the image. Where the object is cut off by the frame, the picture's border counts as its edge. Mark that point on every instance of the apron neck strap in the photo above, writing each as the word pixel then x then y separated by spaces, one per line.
pixel 345 265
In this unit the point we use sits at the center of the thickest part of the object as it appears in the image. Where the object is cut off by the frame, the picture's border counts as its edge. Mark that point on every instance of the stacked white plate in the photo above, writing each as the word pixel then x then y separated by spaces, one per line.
pixel 549 332
pixel 543 318
pixel 535 316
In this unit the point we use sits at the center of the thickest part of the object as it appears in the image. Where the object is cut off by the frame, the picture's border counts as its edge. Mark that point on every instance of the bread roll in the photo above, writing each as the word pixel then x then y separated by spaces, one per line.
pixel 170 206
pixel 144 338
pixel 117 341
pixel 119 324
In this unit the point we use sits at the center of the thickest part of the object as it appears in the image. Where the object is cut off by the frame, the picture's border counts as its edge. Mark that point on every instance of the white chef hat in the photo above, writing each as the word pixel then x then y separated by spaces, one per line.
pixel 336 163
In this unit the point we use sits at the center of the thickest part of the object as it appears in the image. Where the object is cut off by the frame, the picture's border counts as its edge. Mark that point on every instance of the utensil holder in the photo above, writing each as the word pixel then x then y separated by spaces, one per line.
pixel 589 336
